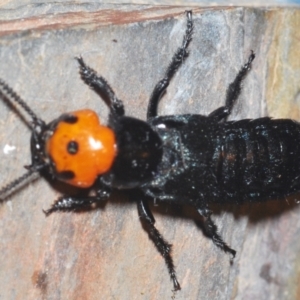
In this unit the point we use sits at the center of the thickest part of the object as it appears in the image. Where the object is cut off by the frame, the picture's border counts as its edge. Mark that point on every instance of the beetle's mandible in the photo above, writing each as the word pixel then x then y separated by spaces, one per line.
pixel 186 159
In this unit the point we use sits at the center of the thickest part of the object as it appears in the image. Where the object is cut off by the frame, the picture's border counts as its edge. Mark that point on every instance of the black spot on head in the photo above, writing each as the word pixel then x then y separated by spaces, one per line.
pixel 68 118
pixel 72 147
pixel 65 175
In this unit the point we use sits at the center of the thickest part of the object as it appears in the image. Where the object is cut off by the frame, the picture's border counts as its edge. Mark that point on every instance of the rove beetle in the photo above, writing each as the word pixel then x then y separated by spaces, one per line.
pixel 186 159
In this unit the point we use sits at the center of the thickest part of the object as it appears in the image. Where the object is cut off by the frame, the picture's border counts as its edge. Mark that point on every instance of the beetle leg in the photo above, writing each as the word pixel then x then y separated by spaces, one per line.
pixel 68 203
pixel 163 247
pixel 178 58
pixel 101 87
pixel 233 91
pixel 211 230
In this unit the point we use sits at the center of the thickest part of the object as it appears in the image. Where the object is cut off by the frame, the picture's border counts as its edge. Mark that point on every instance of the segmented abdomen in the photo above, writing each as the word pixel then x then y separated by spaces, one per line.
pixel 256 159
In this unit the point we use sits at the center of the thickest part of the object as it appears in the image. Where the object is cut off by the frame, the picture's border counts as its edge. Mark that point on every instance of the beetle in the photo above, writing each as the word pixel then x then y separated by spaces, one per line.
pixel 186 159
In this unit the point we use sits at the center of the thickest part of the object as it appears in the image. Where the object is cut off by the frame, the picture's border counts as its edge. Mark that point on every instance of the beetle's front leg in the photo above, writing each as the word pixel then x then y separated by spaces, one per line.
pixel 101 87
pixel 69 203
pixel 163 247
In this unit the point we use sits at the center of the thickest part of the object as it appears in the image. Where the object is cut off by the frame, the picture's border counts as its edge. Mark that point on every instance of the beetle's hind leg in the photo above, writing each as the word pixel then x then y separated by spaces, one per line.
pixel 163 247
pixel 233 91
pixel 211 231
pixel 178 58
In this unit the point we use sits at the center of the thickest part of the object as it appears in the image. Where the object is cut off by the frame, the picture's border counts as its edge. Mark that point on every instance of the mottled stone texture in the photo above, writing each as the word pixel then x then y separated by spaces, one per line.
pixel 104 253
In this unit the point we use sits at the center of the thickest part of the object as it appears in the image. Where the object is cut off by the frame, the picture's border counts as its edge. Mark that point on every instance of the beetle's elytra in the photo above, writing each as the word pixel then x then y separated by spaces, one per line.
pixel 186 159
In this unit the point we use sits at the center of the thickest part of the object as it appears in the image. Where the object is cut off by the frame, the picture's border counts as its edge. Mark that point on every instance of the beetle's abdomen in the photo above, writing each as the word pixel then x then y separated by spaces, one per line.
pixel 256 159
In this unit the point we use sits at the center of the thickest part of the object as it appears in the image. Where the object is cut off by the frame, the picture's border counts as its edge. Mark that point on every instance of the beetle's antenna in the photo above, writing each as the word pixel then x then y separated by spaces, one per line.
pixel 12 186
pixel 7 92
pixel 9 95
